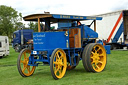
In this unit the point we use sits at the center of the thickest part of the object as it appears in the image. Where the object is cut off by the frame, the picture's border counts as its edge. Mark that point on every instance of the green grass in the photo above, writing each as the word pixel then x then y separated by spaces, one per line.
pixel 116 73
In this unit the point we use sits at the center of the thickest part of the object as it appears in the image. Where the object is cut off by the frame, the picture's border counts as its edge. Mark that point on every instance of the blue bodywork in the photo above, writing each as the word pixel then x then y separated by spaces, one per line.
pixel 27 34
pixel 73 17
pixel 49 40
pixel 89 33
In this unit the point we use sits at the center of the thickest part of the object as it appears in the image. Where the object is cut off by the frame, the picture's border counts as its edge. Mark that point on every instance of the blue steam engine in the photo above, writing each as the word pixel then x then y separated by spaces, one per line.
pixel 63 47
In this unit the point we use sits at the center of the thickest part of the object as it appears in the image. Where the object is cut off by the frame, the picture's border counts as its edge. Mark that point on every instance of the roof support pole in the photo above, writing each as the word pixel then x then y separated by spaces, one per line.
pixel 47 24
pixel 95 25
pixel 95 28
pixel 39 29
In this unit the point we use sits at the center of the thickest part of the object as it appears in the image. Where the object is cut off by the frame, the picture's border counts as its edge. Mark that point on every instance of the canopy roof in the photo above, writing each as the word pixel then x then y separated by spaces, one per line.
pixel 58 17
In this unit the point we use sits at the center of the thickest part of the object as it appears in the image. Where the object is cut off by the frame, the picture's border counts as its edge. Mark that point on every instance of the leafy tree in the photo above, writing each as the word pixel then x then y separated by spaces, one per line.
pixel 9 20
pixel 19 25
pixel 33 26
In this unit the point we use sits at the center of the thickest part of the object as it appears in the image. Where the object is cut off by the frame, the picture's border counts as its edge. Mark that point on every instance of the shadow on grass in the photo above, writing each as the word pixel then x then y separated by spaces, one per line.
pixel 79 70
pixel 46 73
pixel 2 57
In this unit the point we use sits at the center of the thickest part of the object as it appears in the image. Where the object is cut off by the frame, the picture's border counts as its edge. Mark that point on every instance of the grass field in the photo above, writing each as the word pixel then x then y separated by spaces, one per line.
pixel 116 73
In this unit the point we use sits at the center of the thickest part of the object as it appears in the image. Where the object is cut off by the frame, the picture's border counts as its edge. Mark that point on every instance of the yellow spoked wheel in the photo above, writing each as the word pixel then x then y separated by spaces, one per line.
pixel 22 63
pixel 58 63
pixel 94 57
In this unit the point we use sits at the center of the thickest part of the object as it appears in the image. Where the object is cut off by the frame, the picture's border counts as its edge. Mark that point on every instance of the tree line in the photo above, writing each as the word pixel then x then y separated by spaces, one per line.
pixel 11 20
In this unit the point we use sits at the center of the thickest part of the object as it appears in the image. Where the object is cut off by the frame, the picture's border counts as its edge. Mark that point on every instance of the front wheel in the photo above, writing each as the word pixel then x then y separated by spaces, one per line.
pixel 94 57
pixel 58 63
pixel 22 63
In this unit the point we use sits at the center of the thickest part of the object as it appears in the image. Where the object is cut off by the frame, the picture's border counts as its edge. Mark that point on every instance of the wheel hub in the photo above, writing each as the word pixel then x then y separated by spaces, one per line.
pixel 96 57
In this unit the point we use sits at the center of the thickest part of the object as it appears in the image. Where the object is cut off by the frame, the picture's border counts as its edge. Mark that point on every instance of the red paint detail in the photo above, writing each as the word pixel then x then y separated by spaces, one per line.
pixel 117 22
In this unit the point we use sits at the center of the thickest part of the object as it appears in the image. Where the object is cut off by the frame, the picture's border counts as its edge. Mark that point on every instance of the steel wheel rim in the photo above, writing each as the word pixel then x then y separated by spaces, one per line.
pixel 25 68
pixel 59 63
pixel 98 58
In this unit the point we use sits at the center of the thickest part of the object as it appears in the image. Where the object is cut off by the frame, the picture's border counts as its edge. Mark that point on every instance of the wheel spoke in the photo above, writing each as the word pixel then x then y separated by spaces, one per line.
pixel 101 54
pixel 60 67
pixel 28 68
pixel 56 63
pixel 94 47
pixel 99 49
pixel 93 65
pixel 97 66
pixel 61 55
pixel 60 58
pixel 56 70
pixel 100 62
pixel 61 64
pixel 25 56
pixel 97 57
pixel 93 62
pixel 57 55
pixel 92 52
pixel 92 57
pixel 24 64
pixel 24 68
pixel 22 61
pixel 59 72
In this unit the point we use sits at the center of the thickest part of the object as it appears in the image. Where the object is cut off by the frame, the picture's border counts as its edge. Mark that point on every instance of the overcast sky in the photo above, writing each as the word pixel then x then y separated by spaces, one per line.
pixel 72 7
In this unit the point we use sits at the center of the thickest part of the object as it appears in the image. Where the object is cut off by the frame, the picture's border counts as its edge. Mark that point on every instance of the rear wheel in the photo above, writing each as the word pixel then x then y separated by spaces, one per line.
pixel 58 63
pixel 94 57
pixel 84 58
pixel 22 63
